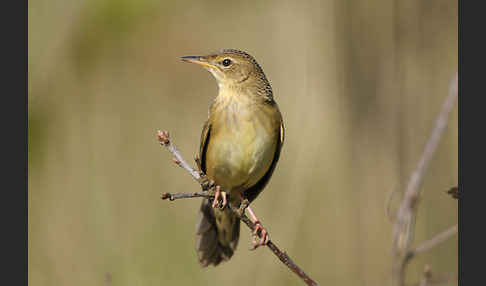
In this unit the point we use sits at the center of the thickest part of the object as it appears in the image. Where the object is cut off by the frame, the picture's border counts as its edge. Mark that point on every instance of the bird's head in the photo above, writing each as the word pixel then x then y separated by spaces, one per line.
pixel 232 68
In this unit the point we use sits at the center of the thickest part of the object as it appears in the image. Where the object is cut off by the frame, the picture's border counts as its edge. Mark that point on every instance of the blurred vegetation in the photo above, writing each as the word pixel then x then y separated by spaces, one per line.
pixel 359 84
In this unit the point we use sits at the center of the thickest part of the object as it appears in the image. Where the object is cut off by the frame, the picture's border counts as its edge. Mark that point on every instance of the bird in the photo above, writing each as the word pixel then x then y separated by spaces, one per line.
pixel 239 149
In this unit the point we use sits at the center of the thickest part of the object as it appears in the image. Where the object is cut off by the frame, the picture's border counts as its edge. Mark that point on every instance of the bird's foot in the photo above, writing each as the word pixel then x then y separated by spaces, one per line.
pixel 261 232
pixel 258 232
pixel 218 193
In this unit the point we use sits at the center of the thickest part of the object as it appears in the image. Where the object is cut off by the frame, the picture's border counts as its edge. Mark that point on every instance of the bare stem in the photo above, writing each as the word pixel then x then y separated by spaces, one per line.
pixel 201 178
pixel 163 137
pixel 434 280
pixel 426 277
pixel 406 215
pixel 431 243
pixel 173 197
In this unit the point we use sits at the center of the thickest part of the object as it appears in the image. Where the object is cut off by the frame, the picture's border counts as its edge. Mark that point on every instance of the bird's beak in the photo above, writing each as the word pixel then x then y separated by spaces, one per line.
pixel 198 60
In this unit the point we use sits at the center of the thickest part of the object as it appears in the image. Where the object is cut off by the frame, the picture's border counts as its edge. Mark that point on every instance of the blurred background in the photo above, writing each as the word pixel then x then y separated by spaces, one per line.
pixel 359 84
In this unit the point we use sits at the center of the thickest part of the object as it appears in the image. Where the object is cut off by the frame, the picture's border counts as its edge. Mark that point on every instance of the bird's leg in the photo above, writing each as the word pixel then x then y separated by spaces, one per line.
pixel 259 229
pixel 217 194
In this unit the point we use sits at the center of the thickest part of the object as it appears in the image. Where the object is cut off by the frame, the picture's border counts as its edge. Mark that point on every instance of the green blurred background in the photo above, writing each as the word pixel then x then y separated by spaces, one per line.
pixel 359 84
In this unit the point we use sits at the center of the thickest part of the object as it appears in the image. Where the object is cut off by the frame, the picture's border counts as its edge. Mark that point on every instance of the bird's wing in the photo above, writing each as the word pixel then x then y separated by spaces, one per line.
pixel 204 144
pixel 253 191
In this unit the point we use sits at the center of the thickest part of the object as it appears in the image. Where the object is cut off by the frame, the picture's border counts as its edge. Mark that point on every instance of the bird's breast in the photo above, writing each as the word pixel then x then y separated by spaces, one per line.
pixel 242 144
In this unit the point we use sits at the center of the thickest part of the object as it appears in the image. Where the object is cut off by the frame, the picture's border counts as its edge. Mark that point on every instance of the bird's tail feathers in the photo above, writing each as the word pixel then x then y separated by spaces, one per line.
pixel 217 233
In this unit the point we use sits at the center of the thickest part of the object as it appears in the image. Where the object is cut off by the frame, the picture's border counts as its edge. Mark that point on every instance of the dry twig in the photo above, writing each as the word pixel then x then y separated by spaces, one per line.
pixel 427 275
pixel 431 243
pixel 433 280
pixel 206 185
pixel 404 223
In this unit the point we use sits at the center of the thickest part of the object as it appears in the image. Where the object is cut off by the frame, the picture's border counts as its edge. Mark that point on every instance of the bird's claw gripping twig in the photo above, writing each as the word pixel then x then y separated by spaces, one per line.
pixel 262 232
pixel 217 195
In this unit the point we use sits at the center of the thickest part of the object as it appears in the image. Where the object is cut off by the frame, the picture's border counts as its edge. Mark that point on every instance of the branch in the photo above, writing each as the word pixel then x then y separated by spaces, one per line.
pixel 108 278
pixel 206 185
pixel 427 275
pixel 404 224
pixel 173 197
pixel 164 140
pixel 434 280
pixel 431 243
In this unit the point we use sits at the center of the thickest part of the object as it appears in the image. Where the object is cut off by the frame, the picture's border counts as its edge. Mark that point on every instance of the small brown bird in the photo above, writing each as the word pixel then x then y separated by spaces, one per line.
pixel 240 147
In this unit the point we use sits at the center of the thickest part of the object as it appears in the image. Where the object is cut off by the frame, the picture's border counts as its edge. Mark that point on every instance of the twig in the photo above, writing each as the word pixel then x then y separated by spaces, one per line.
pixel 427 275
pixel 108 278
pixel 434 280
pixel 435 240
pixel 173 197
pixel 205 183
pixel 404 224
pixel 164 140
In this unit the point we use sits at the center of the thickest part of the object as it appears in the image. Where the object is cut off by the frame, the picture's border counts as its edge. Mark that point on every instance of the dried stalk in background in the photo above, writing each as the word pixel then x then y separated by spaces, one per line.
pixel 407 213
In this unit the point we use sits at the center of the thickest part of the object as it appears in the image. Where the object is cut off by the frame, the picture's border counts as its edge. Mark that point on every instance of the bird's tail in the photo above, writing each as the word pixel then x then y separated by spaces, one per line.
pixel 217 233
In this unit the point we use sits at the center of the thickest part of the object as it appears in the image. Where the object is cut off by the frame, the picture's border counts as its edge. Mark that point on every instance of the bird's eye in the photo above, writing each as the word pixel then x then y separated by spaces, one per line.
pixel 226 62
